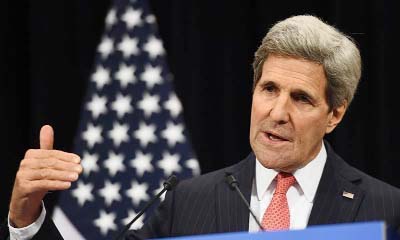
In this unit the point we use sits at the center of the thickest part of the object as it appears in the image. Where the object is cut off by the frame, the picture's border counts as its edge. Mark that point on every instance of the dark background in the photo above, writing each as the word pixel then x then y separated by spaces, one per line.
pixel 47 50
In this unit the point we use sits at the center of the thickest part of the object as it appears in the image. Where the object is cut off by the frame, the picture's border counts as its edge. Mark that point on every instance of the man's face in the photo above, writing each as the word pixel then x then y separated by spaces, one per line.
pixel 290 114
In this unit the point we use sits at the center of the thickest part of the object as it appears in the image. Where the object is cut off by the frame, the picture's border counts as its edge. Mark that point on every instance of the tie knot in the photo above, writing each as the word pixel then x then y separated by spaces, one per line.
pixel 284 182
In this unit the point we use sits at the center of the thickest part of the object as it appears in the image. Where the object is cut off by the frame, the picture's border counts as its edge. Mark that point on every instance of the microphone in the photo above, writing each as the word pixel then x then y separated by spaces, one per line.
pixel 168 185
pixel 234 185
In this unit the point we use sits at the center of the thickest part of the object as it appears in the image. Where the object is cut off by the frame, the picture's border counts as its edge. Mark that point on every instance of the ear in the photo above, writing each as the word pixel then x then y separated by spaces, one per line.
pixel 335 116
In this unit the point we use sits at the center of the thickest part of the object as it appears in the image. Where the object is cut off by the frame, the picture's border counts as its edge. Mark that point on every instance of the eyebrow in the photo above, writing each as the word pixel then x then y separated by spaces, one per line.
pixel 268 82
pixel 302 92
pixel 295 91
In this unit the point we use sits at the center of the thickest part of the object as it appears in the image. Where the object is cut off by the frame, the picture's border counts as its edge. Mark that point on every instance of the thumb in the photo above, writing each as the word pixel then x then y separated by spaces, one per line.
pixel 46 137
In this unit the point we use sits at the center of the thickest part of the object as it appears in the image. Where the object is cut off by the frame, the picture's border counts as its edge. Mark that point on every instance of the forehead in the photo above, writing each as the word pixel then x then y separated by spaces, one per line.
pixel 294 73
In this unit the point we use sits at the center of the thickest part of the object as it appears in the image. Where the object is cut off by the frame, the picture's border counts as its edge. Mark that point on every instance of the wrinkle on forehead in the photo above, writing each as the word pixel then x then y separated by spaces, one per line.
pixel 294 73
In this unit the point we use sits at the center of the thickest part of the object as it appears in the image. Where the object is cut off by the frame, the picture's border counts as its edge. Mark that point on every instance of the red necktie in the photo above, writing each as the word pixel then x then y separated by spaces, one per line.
pixel 277 216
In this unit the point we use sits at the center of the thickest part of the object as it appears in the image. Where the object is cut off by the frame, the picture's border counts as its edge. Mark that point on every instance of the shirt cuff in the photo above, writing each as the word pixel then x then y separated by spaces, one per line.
pixel 29 231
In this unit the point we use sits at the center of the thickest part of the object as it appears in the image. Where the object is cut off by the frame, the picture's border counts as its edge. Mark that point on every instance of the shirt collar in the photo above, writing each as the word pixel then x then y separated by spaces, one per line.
pixel 307 177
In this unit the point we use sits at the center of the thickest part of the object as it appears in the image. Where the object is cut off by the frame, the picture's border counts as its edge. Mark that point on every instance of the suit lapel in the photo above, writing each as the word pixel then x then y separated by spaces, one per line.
pixel 338 197
pixel 232 214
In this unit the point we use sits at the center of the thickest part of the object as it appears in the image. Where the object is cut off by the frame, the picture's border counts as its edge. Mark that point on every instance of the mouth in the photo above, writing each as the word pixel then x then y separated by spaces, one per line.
pixel 275 137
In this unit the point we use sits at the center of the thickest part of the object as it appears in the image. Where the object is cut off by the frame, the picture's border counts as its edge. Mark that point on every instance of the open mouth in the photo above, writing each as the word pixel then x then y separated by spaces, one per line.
pixel 274 137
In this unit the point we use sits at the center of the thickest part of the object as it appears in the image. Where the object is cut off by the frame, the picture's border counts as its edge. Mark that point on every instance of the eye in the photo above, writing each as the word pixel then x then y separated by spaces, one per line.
pixel 303 98
pixel 269 87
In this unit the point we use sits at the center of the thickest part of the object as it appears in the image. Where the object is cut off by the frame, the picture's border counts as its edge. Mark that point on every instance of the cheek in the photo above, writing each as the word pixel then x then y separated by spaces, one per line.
pixel 310 130
pixel 259 108
pixel 257 117
pixel 253 121
pixel 254 111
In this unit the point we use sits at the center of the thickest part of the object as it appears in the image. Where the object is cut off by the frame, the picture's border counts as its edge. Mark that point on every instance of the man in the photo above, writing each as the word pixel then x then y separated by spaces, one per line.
pixel 305 76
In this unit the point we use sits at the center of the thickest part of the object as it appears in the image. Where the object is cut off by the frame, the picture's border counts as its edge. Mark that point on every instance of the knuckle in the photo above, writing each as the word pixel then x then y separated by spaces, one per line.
pixel 24 163
pixel 20 176
pixel 56 152
pixel 29 153
pixel 45 173
pixel 78 168
pixel 50 163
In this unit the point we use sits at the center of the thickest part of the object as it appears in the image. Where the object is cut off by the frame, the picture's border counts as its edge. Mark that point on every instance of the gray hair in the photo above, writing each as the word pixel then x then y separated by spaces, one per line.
pixel 310 38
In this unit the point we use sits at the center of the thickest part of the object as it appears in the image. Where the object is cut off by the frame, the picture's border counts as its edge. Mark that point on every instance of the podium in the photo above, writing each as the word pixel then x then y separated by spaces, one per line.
pixel 352 231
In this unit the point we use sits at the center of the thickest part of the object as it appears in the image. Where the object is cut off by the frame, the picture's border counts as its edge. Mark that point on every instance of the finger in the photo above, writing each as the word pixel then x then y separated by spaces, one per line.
pixel 48 185
pixel 49 174
pixel 50 163
pixel 46 137
pixel 41 153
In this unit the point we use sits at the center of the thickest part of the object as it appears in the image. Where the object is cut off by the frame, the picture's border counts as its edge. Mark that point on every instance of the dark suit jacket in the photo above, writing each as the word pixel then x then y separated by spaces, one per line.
pixel 206 204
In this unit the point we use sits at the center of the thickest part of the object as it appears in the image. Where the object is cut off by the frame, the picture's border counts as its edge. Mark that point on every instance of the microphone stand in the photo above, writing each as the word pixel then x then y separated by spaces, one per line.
pixel 234 185
pixel 170 183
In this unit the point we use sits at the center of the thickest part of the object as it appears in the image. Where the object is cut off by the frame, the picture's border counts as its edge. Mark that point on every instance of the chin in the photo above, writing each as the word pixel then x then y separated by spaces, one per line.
pixel 271 163
pixel 275 161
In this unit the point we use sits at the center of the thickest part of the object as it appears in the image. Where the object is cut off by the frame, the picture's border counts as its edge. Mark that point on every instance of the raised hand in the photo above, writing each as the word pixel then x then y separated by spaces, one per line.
pixel 40 171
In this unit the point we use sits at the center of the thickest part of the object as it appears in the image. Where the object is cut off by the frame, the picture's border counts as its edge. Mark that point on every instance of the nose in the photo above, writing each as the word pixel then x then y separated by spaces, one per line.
pixel 280 110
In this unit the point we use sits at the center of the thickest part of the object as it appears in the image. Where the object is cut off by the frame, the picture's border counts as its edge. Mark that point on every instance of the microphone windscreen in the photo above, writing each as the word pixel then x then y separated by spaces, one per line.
pixel 171 182
pixel 231 180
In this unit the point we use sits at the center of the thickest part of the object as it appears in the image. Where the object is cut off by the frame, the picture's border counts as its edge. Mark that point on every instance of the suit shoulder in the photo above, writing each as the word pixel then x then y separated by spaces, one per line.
pixel 371 185
pixel 381 200
pixel 377 187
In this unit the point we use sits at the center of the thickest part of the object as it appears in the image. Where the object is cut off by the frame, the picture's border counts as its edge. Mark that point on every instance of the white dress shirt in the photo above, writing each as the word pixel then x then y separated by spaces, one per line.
pixel 300 196
pixel 27 233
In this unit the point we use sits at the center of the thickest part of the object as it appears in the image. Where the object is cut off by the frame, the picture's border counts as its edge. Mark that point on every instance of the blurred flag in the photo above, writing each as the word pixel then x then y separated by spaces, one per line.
pixel 131 135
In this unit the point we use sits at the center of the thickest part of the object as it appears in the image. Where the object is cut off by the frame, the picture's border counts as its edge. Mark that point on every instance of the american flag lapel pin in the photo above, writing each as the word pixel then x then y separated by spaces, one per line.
pixel 348 195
